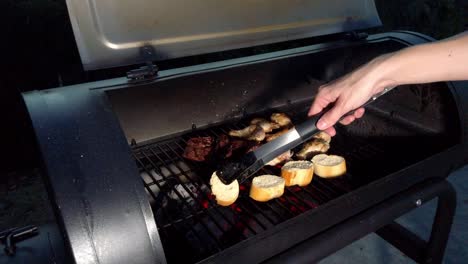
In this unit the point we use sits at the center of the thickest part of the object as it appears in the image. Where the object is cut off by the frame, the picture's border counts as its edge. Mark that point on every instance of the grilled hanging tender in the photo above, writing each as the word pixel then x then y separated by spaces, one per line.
pixel 252 132
pixel 271 137
pixel 312 148
pixel 281 158
pixel 320 144
pixel 266 125
pixel 282 119
pixel 323 136
pixel 259 127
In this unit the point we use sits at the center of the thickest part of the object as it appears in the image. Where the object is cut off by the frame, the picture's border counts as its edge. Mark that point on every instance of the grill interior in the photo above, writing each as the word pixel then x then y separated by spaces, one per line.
pixel 190 221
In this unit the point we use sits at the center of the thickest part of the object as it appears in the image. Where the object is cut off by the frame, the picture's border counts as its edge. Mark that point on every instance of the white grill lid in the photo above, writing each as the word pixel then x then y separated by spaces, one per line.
pixel 110 33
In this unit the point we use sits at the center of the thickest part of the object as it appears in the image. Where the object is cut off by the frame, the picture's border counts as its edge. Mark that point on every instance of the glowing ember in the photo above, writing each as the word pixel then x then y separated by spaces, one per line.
pixel 295 189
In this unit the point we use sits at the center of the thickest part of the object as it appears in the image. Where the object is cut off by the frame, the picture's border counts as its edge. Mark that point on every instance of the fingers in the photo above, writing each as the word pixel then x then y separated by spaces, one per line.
pixel 330 131
pixel 326 96
pixel 331 116
pixel 318 105
pixel 358 113
pixel 322 100
pixel 348 120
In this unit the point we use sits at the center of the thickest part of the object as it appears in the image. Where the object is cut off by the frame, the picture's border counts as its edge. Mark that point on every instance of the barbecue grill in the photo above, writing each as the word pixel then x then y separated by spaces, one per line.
pixel 113 150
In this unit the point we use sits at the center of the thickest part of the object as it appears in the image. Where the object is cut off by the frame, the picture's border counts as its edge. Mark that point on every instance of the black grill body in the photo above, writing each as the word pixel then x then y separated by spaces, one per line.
pixel 123 194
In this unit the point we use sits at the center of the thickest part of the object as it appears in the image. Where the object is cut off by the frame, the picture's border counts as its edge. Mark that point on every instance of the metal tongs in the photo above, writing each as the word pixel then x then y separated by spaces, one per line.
pixel 249 164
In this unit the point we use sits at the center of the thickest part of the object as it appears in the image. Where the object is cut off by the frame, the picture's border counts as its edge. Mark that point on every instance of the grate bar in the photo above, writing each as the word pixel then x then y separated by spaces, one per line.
pixel 181 197
pixel 204 193
pixel 198 166
pixel 167 214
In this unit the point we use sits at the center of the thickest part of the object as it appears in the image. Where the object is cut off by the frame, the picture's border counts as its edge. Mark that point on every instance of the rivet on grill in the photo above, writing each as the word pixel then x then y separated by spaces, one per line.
pixel 418 202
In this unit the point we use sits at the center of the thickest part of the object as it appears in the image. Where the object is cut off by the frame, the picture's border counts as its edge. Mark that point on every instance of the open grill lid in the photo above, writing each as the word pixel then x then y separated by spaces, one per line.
pixel 111 33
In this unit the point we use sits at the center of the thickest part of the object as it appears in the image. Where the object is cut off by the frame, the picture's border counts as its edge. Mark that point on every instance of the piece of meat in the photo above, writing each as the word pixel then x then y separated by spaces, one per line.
pixel 312 148
pixel 223 141
pixel 252 148
pixel 323 136
pixel 271 137
pixel 281 119
pixel 266 125
pixel 198 148
pixel 257 135
pixel 281 158
pixel 252 132
pixel 235 146
pixel 243 133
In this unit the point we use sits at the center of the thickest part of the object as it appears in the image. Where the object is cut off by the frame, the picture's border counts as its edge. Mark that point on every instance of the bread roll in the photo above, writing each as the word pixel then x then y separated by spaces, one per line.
pixel 266 187
pixel 297 173
pixel 225 194
pixel 329 166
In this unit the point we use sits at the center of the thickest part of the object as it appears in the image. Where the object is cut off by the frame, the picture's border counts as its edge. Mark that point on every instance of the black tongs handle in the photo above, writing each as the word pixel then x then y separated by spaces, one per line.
pixel 309 128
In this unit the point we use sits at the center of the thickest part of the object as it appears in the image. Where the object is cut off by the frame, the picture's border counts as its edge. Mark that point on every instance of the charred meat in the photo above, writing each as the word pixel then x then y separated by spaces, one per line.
pixel 198 148
pixel 323 136
pixel 266 125
pixel 252 132
pixel 281 119
pixel 271 137
pixel 314 147
pixel 281 158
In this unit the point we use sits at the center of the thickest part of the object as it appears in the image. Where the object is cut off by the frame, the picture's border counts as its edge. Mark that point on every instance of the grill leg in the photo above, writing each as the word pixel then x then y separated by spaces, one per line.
pixel 416 248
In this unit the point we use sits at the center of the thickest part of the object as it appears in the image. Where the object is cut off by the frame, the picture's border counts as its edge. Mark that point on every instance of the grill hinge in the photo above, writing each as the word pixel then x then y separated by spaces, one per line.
pixel 147 72
pixel 356 36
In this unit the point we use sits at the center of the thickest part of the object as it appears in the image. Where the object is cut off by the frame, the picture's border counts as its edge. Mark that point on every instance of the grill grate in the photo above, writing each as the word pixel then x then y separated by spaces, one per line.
pixel 187 214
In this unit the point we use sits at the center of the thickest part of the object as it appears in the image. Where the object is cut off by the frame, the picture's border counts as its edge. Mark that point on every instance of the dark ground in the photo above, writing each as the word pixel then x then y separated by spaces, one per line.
pixel 39 52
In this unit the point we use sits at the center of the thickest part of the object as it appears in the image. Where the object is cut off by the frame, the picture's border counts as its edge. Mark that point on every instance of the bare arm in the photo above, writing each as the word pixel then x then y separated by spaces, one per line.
pixel 445 60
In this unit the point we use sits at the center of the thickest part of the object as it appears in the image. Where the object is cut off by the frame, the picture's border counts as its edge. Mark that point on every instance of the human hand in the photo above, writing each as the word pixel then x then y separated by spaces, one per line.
pixel 349 93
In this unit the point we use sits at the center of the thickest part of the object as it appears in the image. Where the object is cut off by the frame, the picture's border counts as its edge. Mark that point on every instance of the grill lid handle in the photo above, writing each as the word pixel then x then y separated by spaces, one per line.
pixel 253 161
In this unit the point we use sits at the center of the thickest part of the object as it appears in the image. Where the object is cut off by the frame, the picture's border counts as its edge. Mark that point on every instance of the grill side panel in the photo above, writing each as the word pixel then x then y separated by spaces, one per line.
pixel 95 188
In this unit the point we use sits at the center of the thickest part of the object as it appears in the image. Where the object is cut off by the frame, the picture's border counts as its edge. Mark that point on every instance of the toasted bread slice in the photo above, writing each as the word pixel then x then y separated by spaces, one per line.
pixel 266 187
pixel 297 173
pixel 329 166
pixel 225 194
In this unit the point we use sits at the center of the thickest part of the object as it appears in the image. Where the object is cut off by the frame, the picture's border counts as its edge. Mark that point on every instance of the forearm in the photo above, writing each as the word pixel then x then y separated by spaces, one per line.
pixel 445 60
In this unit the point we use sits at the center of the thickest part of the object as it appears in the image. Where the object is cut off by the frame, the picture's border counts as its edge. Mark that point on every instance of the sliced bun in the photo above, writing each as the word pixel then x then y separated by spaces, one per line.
pixel 225 194
pixel 297 173
pixel 266 187
pixel 329 166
